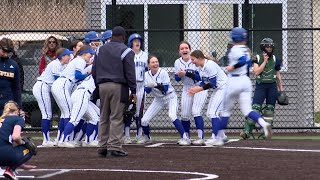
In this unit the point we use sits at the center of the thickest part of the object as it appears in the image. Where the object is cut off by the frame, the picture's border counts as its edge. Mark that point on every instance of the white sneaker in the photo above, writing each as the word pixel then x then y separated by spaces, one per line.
pixel 90 144
pixel 49 144
pixel 66 144
pixel 77 143
pixel 198 142
pixel 184 142
pixel 267 131
pixel 214 142
pixel 127 140
pixel 144 140
pixel 138 138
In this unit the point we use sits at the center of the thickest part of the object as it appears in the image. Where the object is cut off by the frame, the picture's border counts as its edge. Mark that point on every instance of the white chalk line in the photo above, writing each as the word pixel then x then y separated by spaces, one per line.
pixel 61 171
pixel 273 149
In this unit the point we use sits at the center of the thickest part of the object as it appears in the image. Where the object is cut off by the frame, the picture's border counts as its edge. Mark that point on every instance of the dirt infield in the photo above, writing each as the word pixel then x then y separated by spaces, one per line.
pixel 250 159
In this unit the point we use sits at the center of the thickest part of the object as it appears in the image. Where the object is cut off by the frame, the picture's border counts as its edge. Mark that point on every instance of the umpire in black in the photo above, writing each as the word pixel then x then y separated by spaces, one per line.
pixel 9 75
pixel 114 72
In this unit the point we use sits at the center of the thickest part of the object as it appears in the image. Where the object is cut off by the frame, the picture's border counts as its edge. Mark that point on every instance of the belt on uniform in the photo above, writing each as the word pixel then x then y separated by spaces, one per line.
pixel 236 75
pixel 43 82
pixel 85 88
pixel 66 78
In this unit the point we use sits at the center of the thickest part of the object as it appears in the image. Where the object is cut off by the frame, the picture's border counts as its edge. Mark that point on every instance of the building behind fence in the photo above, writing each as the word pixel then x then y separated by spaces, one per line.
pixel 292 24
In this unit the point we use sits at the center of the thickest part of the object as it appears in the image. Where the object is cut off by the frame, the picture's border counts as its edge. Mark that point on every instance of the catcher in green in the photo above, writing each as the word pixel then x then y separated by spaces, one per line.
pixel 14 150
pixel 266 68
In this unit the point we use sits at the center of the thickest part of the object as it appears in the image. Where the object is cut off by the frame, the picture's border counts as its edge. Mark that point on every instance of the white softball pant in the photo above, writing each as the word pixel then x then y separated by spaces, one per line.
pixel 215 105
pixel 61 91
pixel 171 100
pixel 192 105
pixel 41 92
pixel 238 88
pixel 139 94
pixel 83 107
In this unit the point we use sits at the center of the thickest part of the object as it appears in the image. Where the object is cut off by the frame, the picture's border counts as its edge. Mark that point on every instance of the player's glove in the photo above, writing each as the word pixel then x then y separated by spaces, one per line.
pixel 29 144
pixel 129 110
pixel 283 98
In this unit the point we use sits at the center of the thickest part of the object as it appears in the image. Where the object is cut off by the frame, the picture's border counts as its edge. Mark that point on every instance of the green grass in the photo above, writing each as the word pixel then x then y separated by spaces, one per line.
pixel 317 117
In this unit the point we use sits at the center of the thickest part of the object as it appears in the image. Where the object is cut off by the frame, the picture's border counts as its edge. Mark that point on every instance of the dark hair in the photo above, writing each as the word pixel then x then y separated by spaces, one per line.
pixel 73 44
pixel 151 56
pixel 85 47
pixel 198 54
pixel 184 42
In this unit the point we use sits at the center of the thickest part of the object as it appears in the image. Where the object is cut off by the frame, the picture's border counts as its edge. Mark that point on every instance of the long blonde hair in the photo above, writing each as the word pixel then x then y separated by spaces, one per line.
pixel 9 107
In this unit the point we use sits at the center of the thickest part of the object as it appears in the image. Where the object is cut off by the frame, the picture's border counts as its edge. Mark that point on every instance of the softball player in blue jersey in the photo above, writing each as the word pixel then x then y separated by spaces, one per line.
pixel 157 82
pixel 212 76
pixel 239 85
pixel 61 88
pixel 135 42
pixel 186 72
pixel 42 88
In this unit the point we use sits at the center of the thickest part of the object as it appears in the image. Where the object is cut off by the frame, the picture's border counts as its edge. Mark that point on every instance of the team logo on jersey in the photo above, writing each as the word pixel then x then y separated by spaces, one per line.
pixel 7 74
pixel 11 67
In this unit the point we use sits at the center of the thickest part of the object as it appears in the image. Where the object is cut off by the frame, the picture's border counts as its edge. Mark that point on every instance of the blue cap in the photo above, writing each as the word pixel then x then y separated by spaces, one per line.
pixel 65 52
pixel 238 34
pixel 90 50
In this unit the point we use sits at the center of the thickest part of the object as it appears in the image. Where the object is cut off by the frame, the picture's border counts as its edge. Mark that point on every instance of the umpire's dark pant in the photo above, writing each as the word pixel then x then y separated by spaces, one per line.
pixel 111 120
pixel 265 91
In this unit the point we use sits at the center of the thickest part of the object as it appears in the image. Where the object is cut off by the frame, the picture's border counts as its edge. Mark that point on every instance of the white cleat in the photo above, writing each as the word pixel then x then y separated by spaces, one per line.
pixel 49 144
pixel 214 142
pixel 267 131
pixel 66 144
pixel 127 140
pixel 77 143
pixel 144 140
pixel 184 142
pixel 198 142
pixel 90 144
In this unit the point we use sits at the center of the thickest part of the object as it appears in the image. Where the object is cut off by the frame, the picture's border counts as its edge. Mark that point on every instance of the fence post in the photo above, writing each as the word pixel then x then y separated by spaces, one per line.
pixel 114 8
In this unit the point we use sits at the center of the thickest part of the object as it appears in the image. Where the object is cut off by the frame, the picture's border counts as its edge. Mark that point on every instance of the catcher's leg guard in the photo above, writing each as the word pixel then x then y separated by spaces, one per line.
pixel 268 114
pixel 250 124
pixel 248 128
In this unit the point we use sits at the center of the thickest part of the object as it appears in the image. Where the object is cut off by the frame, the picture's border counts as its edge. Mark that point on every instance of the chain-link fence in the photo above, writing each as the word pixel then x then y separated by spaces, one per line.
pixel 205 24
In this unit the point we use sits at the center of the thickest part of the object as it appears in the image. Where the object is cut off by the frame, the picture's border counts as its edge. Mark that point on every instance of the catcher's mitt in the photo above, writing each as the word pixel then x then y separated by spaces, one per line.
pixel 29 144
pixel 283 98
pixel 129 110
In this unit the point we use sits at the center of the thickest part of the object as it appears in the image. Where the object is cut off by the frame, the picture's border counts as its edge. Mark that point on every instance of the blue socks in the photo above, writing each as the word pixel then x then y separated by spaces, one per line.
pixel 67 131
pixel 89 130
pixel 45 127
pixel 224 122
pixel 60 128
pixel 215 126
pixel 177 123
pixel 186 126
pixel 254 116
pixel 66 120
pixel 146 131
pixel 138 124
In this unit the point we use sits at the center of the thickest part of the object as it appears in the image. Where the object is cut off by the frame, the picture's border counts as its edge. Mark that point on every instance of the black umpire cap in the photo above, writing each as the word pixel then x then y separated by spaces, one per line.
pixel 118 31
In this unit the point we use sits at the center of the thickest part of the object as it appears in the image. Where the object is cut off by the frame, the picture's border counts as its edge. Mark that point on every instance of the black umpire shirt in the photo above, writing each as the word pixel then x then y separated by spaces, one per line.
pixel 115 63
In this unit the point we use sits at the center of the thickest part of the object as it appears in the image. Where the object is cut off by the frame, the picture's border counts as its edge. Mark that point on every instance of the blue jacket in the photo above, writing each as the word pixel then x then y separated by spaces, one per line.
pixel 9 82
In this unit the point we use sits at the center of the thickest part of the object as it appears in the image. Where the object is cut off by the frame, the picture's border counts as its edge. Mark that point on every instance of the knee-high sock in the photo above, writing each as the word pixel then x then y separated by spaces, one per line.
pixel 60 129
pixel 199 125
pixel 77 129
pixel 255 116
pixel 146 131
pixel 138 126
pixel 96 127
pixel 186 127
pixel 67 131
pixel 45 127
pixel 82 132
pixel 215 126
pixel 66 120
pixel 89 132
pixel 224 123
pixel 177 123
